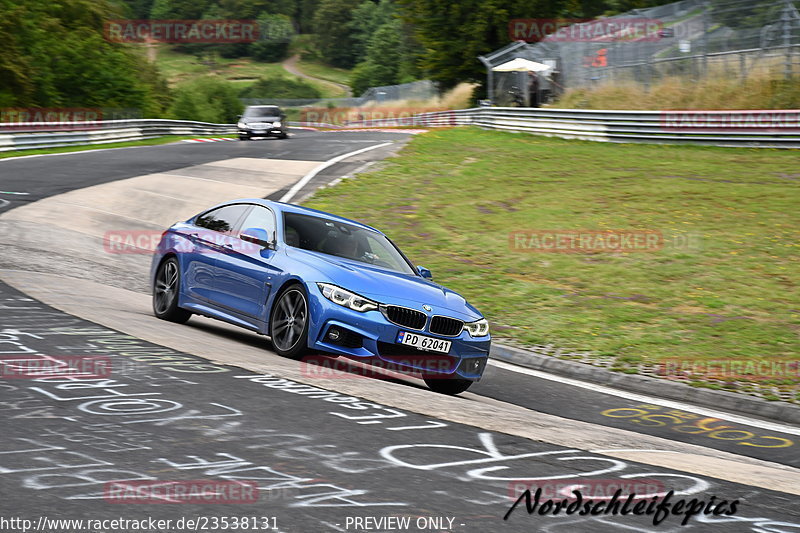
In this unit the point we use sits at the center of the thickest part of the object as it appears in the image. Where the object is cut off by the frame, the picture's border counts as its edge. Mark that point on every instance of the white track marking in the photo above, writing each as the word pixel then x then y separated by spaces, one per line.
pixel 90 151
pixel 305 179
pixel 771 426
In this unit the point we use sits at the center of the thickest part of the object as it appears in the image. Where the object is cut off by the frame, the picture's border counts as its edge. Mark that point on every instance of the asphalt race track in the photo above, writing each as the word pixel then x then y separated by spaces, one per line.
pixel 327 453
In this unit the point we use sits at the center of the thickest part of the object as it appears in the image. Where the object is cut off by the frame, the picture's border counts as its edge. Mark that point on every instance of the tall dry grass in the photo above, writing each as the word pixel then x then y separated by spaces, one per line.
pixel 459 97
pixel 761 90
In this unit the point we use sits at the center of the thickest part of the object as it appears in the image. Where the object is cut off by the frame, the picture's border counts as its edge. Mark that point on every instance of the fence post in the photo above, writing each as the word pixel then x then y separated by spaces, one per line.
pixel 704 67
pixel 742 69
pixel 489 79
pixel 787 40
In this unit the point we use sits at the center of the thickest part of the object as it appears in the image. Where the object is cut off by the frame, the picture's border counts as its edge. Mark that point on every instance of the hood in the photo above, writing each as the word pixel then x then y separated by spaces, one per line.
pixel 260 119
pixel 386 286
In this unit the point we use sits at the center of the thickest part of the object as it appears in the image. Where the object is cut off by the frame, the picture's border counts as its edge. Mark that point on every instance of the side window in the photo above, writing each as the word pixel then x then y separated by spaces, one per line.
pixel 259 218
pixel 223 219
pixel 300 231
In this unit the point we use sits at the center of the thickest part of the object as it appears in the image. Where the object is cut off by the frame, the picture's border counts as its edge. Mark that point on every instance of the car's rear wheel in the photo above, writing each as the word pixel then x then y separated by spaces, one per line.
pixel 165 293
pixel 448 386
pixel 244 137
pixel 289 322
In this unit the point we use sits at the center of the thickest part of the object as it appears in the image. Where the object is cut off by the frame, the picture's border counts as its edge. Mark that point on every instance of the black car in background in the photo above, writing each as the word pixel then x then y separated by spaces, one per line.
pixel 262 121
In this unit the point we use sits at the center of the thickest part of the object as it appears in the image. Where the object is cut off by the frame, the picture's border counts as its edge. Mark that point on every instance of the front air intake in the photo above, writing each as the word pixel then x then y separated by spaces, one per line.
pixel 403 316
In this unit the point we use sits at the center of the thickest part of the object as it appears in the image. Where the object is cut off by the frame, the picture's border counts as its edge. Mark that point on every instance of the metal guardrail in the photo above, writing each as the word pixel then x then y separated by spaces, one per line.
pixel 28 136
pixel 756 128
pixel 748 128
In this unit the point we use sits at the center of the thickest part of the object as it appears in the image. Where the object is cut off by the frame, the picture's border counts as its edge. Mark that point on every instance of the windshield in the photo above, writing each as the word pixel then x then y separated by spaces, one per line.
pixel 270 111
pixel 343 240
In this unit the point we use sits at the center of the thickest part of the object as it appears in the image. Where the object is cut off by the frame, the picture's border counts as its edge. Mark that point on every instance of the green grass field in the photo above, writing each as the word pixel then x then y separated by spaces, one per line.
pixel 180 68
pixel 325 72
pixel 453 197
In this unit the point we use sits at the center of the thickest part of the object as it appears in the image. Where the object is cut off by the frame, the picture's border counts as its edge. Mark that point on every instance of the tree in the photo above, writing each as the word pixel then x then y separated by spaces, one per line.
pixel 54 54
pixel 160 10
pixel 137 9
pixel 384 59
pixel 333 34
pixel 453 33
pixel 16 83
pixel 273 44
pixel 305 15
pixel 207 100
pixel 366 19
pixel 179 9
pixel 746 15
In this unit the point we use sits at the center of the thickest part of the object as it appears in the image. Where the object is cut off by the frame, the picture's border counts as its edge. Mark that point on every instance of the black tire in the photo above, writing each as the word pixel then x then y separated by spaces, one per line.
pixel 244 137
pixel 283 136
pixel 449 386
pixel 288 322
pixel 165 292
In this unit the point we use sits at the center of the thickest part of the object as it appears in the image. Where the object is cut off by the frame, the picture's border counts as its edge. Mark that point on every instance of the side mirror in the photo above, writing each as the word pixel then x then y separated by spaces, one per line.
pixel 424 272
pixel 258 236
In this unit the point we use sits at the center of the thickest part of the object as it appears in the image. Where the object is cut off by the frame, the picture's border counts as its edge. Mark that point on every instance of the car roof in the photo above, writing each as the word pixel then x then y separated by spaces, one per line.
pixel 291 208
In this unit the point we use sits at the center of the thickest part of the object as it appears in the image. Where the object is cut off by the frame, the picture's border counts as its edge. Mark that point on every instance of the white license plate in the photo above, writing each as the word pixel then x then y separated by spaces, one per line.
pixel 422 342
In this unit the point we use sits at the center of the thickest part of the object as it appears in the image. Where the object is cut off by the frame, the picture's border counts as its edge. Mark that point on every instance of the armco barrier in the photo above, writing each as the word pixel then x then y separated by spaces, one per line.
pixel 27 136
pixel 756 128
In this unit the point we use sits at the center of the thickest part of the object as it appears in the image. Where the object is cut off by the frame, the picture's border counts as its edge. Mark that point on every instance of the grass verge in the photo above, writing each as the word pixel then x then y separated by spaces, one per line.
pixel 452 198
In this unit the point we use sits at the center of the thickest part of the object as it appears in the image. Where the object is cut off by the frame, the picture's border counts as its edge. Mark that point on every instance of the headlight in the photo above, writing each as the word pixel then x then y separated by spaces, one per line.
pixel 241 125
pixel 276 124
pixel 479 328
pixel 346 298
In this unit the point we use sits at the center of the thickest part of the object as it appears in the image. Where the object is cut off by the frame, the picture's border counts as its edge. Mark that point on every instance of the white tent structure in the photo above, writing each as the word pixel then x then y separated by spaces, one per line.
pixel 518 66
pixel 521 65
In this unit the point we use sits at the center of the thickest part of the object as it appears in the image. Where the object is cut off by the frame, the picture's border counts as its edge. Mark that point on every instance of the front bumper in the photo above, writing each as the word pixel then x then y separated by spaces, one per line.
pixel 371 336
pixel 261 132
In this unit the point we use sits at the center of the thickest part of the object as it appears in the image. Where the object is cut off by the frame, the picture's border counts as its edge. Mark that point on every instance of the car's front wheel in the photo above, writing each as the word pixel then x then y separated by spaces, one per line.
pixel 448 386
pixel 289 322
pixel 165 293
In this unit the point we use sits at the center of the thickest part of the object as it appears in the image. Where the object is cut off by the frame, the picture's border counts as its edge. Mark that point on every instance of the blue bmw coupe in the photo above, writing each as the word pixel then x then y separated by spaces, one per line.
pixel 317 282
